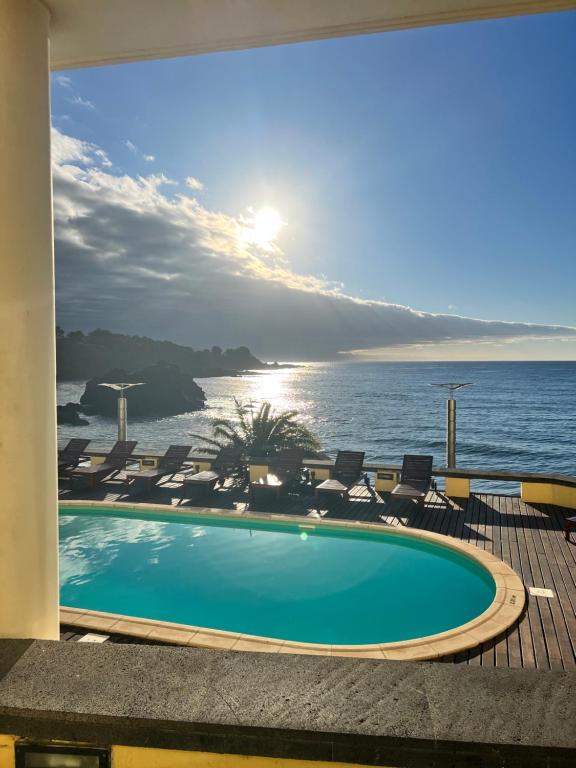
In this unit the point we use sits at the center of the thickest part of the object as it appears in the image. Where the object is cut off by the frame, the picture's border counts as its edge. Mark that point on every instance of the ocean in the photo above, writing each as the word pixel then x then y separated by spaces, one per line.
pixel 515 416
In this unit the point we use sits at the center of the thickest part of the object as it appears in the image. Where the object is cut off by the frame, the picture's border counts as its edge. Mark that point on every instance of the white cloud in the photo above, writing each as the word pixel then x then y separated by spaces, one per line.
pixel 135 255
pixel 67 149
pixel 194 184
pixel 103 158
pixel 80 102
pixel 63 81
pixel 136 151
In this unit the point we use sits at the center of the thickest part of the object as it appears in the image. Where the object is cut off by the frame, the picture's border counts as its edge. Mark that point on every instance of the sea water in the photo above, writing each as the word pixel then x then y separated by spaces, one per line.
pixel 516 416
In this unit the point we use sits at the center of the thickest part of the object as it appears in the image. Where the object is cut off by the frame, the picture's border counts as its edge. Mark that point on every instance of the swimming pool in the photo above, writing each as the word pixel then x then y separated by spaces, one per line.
pixel 292 580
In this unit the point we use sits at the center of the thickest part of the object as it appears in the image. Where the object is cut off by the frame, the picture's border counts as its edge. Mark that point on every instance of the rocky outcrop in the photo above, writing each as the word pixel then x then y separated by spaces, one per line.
pixel 167 391
pixel 81 356
pixel 70 414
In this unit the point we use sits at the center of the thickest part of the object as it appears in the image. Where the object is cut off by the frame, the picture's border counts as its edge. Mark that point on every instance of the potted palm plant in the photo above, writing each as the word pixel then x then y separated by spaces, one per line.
pixel 260 432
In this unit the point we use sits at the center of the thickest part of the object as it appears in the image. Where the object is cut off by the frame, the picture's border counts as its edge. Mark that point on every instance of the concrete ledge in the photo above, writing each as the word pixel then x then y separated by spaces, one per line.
pixel 302 707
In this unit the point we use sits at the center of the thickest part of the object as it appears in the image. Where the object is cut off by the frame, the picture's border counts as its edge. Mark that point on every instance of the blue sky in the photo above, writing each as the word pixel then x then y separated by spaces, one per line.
pixel 431 168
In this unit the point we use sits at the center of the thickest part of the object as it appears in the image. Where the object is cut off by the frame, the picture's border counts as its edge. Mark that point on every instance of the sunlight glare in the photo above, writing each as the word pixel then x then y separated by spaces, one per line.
pixel 263 227
pixel 271 386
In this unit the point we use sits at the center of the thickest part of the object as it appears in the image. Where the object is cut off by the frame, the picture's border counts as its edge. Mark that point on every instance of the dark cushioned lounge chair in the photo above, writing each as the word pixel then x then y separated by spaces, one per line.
pixel 69 457
pixel 227 460
pixel 415 478
pixel 169 464
pixel 345 474
pixel 91 477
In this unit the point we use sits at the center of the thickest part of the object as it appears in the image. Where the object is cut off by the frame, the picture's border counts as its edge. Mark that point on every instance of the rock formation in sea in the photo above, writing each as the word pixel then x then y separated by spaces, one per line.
pixel 70 414
pixel 167 391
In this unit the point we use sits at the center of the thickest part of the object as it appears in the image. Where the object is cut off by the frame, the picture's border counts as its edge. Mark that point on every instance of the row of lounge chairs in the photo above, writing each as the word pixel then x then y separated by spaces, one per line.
pixel 415 478
pixel 141 481
pixel 286 471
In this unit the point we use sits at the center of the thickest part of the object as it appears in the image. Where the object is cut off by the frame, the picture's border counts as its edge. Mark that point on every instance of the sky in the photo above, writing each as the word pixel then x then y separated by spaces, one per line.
pixel 405 195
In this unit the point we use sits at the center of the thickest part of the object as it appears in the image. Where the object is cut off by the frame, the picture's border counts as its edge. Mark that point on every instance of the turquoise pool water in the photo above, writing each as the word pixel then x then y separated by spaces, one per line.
pixel 318 585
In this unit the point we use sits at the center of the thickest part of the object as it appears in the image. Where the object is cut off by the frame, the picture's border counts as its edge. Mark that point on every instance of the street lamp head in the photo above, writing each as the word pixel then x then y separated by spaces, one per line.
pixel 452 386
pixel 121 386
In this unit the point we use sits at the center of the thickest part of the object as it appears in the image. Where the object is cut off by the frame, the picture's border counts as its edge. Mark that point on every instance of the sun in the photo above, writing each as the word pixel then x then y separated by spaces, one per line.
pixel 263 227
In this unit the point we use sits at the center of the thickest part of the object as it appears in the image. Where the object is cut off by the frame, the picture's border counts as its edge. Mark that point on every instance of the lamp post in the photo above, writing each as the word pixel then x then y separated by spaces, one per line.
pixel 122 406
pixel 451 421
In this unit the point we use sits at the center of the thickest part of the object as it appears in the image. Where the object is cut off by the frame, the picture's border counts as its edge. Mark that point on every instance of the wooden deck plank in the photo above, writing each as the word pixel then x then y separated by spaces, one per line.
pixel 531 577
pixel 522 648
pixel 541 579
pixel 502 549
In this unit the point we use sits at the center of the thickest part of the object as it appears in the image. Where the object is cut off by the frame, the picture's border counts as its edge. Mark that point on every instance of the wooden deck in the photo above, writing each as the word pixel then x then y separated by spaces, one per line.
pixel 528 537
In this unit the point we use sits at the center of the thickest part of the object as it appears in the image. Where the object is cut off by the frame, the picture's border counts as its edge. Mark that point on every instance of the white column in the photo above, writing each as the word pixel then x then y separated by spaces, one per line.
pixel 28 484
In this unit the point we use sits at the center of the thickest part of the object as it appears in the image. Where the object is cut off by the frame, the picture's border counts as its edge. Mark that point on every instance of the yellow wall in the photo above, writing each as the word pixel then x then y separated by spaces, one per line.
pixel 257 471
pixel 548 493
pixel 7 751
pixel 458 487
pixel 384 482
pixel 202 466
pixel 149 462
pixel 140 757
pixel 137 757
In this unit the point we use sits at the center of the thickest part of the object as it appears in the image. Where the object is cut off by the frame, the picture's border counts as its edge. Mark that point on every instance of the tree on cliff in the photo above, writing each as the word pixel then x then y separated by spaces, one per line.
pixel 82 356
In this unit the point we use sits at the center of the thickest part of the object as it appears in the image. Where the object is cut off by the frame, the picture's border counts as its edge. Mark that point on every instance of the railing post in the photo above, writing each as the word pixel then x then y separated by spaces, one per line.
pixel 451 433
pixel 122 420
pixel 451 421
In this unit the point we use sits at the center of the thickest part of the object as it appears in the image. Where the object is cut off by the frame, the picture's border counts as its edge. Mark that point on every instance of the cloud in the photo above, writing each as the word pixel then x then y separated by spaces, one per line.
pixel 136 151
pixel 194 184
pixel 137 255
pixel 63 81
pixel 80 102
pixel 69 150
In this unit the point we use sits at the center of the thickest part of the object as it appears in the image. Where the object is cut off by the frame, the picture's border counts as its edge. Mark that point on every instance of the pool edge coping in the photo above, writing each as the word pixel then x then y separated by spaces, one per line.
pixel 506 607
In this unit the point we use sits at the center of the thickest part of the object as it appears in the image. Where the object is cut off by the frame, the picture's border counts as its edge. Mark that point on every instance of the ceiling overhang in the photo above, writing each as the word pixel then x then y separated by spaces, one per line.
pixel 88 33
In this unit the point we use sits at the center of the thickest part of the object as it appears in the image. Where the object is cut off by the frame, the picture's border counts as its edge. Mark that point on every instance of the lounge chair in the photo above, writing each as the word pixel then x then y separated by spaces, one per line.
pixel 345 474
pixel 69 457
pixel 226 461
pixel 169 464
pixel 415 478
pixel 286 471
pixel 91 477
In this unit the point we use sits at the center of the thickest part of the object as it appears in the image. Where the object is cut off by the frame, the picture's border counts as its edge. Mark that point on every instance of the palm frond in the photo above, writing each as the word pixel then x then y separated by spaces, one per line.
pixel 261 431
